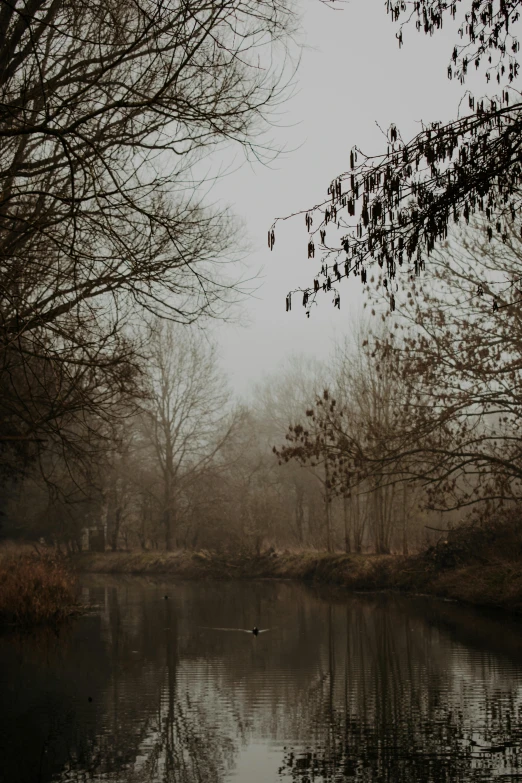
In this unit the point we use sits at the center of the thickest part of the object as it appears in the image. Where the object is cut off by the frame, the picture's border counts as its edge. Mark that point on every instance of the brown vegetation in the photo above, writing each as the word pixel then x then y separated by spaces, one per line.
pixel 479 565
pixel 35 589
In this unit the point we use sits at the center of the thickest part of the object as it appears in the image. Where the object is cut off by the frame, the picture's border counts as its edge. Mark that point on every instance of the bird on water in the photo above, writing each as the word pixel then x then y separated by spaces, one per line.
pixel 255 630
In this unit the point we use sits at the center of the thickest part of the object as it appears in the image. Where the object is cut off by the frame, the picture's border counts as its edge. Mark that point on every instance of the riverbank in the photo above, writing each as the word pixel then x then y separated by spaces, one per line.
pixel 447 570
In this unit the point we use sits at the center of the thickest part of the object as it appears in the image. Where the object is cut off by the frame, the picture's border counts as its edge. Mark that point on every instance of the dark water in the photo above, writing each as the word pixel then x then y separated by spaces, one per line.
pixel 351 688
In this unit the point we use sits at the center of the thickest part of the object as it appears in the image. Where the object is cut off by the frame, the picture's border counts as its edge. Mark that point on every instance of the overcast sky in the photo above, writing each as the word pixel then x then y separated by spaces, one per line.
pixel 352 78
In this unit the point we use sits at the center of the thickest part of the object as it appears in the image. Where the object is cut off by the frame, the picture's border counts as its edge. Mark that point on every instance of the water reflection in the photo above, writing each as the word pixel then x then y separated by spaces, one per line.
pixel 357 688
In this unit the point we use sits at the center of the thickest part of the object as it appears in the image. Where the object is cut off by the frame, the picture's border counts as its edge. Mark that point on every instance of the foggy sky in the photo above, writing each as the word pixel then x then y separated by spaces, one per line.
pixel 352 76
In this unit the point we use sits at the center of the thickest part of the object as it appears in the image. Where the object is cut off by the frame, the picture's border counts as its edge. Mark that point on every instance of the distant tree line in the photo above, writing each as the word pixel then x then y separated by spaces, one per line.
pixel 192 468
pixel 406 429
pixel 114 413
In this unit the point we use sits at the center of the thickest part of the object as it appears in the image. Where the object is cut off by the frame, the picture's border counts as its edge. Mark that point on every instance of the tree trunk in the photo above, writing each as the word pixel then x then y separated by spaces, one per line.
pixel 299 513
pixel 386 510
pixel 169 520
pixel 115 530
pixel 405 550
pixel 376 521
pixel 327 515
pixel 142 528
pixel 358 528
pixel 379 505
pixel 327 508
pixel 170 537
pixel 347 503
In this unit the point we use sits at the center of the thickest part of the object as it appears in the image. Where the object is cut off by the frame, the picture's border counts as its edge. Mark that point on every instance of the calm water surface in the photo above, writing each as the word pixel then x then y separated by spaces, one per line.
pixel 343 687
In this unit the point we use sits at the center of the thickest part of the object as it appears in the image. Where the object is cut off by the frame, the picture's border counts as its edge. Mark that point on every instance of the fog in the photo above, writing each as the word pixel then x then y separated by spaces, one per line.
pixel 173 401
pixel 353 81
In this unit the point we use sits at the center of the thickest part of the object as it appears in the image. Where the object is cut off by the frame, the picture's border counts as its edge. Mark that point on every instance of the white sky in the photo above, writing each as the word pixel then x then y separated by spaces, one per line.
pixel 352 76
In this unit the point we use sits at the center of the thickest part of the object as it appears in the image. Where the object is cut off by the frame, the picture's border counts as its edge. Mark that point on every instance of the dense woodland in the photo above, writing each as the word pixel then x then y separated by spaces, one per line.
pixel 394 435
pixel 114 413
pixel 412 423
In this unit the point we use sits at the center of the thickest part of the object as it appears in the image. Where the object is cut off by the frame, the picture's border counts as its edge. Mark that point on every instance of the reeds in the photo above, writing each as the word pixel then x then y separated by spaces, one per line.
pixel 35 589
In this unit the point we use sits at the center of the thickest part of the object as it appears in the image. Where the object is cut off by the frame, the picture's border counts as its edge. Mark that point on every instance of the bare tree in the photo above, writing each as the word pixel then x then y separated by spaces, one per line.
pixel 391 208
pixel 280 400
pixel 105 110
pixel 347 433
pixel 460 434
pixel 188 418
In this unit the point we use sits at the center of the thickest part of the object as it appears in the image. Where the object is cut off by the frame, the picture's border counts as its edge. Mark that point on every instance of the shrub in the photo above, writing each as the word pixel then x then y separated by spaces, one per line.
pixel 495 538
pixel 35 589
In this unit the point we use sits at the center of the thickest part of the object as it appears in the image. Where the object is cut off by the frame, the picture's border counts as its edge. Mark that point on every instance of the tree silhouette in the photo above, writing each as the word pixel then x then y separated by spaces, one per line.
pixel 105 110
pixel 391 209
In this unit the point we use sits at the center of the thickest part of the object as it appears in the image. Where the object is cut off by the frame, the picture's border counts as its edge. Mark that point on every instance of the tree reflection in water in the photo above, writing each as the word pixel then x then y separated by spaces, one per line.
pixel 140 723
pixel 395 707
pixel 356 688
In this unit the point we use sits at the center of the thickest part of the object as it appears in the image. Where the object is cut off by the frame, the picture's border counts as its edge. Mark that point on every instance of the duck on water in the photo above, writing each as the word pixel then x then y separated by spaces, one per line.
pixel 255 630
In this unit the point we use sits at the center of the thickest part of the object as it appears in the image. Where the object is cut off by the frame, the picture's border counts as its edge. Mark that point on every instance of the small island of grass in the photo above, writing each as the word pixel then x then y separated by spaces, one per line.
pixel 36 589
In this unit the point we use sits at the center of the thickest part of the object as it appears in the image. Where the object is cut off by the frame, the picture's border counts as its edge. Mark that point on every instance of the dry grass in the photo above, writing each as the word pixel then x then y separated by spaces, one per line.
pixel 11 548
pixel 478 565
pixel 348 570
pixel 35 589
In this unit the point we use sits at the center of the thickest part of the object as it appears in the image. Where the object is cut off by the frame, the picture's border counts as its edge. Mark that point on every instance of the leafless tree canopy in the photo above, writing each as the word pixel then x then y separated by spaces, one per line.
pixel 103 108
pixel 106 114
pixel 187 420
pixel 391 208
pixel 106 108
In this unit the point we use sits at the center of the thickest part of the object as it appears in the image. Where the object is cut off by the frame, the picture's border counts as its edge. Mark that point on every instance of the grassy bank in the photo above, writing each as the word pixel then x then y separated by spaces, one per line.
pixel 200 565
pixel 478 566
pixel 35 589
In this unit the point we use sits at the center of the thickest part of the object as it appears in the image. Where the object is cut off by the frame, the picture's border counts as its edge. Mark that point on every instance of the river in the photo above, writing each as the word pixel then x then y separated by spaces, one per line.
pixel 342 687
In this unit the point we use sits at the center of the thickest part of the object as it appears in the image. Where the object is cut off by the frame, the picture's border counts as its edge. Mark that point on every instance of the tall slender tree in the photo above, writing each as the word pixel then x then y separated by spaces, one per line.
pixel 187 419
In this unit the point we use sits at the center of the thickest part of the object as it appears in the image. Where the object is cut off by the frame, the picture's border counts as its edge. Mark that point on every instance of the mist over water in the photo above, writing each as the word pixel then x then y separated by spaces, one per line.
pixel 343 687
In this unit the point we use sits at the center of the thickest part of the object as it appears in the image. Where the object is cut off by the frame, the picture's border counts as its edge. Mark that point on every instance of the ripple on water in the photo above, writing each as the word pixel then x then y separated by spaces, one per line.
pixel 357 688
